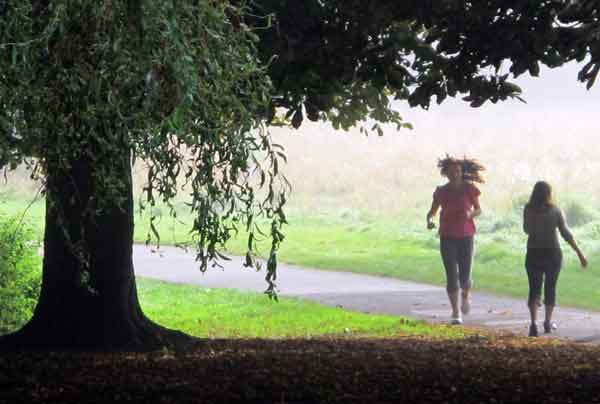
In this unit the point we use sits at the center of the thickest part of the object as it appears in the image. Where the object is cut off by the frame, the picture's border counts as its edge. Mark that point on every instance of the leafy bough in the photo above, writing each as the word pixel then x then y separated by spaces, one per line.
pixel 97 86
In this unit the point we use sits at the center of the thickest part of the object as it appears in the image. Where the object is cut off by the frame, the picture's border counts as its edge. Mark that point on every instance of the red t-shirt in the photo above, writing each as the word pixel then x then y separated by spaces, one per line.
pixel 454 204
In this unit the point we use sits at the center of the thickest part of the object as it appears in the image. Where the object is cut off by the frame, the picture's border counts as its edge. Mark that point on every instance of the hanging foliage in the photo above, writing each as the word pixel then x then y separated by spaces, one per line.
pixel 176 85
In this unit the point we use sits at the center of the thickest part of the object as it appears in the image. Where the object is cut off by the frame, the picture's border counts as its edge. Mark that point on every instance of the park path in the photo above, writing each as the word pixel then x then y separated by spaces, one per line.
pixel 370 294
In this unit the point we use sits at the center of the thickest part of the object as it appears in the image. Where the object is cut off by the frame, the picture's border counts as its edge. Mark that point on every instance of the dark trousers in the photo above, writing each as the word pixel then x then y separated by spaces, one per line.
pixel 457 256
pixel 543 267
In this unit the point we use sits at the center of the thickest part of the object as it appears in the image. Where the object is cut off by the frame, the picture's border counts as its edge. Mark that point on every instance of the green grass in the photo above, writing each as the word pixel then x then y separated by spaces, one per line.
pixel 391 248
pixel 233 314
pixel 30 209
pixel 223 313
pixel 400 248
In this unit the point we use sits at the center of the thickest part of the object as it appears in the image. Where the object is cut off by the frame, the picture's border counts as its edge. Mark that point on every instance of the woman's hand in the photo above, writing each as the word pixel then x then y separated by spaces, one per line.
pixel 583 261
pixel 430 215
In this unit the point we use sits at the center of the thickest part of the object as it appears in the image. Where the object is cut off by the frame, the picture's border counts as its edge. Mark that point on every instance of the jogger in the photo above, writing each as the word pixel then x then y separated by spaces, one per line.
pixel 543 261
pixel 459 202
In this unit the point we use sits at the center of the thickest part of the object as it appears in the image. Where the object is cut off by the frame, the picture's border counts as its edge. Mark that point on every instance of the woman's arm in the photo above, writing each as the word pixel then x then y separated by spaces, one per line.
pixel 476 210
pixel 473 194
pixel 564 231
pixel 435 205
pixel 579 253
pixel 568 237
pixel 526 220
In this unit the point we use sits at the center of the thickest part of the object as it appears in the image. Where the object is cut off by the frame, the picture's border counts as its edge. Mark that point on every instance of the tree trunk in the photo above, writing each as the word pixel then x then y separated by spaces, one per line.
pixel 89 302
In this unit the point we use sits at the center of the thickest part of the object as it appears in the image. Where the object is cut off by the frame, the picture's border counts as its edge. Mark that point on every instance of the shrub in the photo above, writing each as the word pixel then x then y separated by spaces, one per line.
pixel 577 215
pixel 20 273
pixel 491 223
pixel 508 222
pixel 519 202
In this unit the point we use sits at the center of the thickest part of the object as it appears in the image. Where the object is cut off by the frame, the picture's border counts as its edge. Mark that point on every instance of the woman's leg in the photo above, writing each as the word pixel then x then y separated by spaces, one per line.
pixel 465 264
pixel 549 309
pixel 453 297
pixel 448 250
pixel 535 277
pixel 550 281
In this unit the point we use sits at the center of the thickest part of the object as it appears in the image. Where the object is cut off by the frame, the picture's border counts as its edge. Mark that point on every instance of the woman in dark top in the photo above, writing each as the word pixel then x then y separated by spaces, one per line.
pixel 459 200
pixel 541 219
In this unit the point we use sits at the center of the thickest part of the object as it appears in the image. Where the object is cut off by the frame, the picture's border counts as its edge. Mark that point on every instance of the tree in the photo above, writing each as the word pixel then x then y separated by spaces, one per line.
pixel 88 86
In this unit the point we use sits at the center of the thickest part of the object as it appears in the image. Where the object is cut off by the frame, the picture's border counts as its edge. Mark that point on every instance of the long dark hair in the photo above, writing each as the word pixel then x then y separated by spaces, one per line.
pixel 471 168
pixel 541 196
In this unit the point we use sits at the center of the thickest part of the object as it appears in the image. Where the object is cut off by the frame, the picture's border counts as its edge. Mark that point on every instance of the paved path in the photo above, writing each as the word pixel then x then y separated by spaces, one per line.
pixel 362 293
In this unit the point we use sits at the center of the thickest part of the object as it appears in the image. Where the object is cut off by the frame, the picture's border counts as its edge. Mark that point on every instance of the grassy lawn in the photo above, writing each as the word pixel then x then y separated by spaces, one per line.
pixel 403 250
pixel 396 248
pixel 222 313
pixel 226 313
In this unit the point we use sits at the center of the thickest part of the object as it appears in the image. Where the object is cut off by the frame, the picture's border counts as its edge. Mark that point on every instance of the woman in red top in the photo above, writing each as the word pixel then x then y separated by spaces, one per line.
pixel 459 200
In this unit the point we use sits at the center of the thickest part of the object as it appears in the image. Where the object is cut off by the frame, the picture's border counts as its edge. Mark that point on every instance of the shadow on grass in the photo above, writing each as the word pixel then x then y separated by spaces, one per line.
pixel 481 368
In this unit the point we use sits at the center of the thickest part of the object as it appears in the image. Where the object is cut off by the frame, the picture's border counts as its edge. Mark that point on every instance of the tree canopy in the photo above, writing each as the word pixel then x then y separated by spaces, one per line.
pixel 180 84
pixel 191 87
pixel 343 60
pixel 174 83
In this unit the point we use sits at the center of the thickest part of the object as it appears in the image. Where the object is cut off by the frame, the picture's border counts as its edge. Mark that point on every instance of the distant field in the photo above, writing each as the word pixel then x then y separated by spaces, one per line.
pixel 359 203
pixel 403 250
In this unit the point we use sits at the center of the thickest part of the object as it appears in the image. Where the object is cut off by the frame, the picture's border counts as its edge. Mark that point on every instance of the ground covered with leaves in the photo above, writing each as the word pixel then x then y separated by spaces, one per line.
pixel 482 368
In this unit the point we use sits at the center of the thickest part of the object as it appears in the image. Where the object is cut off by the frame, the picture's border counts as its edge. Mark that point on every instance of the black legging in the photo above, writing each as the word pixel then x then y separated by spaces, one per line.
pixel 543 267
pixel 457 256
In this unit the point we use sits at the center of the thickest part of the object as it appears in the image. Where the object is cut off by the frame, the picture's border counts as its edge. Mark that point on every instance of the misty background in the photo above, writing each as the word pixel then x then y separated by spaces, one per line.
pixel 552 137
pixel 349 175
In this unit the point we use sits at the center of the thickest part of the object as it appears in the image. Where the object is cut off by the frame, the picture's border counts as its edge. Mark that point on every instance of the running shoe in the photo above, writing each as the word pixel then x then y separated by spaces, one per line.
pixel 549 326
pixel 456 321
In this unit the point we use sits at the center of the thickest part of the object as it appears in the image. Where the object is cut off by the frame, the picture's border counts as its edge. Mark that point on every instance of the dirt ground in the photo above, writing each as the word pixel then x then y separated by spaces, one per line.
pixel 483 368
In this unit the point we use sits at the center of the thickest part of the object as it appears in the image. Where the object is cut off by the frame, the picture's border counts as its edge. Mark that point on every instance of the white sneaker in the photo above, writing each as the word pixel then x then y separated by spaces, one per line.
pixel 465 306
pixel 456 321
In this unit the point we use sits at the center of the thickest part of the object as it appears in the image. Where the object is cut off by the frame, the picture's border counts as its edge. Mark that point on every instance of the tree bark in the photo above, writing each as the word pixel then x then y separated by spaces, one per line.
pixel 89 303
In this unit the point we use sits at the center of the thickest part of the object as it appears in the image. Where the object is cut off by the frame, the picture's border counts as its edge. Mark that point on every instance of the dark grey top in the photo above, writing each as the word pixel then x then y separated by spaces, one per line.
pixel 541 227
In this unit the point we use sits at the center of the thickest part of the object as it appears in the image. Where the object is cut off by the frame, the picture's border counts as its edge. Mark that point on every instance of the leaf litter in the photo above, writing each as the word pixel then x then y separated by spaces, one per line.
pixel 483 367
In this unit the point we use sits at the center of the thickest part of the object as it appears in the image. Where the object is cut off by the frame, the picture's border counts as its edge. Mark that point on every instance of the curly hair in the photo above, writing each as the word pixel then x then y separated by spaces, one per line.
pixel 471 168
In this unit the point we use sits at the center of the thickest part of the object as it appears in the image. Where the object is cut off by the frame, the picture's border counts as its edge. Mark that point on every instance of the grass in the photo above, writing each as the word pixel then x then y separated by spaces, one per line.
pixel 226 313
pixel 30 209
pixel 390 248
pixel 233 314
pixel 400 248
pixel 394 249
